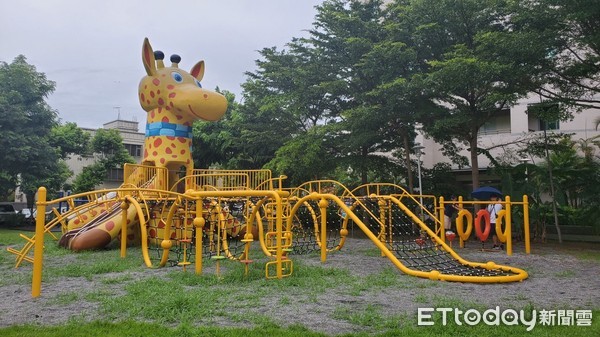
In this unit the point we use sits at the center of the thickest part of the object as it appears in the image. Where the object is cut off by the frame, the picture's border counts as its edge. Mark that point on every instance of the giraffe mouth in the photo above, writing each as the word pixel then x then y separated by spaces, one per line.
pixel 205 116
pixel 194 112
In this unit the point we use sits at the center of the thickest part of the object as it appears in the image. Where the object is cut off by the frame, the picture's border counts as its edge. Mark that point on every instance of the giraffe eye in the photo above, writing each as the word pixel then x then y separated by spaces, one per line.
pixel 198 83
pixel 177 77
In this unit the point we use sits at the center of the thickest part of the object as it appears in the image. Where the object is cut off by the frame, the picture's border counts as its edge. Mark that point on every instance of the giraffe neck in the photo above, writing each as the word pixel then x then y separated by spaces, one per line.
pixel 168 140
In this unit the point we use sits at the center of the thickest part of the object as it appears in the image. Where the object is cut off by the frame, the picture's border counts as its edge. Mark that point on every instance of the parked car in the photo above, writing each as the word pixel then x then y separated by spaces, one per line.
pixel 9 216
pixel 29 216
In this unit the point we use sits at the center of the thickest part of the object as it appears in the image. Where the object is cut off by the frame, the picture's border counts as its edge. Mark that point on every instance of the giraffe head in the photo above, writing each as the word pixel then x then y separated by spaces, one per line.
pixel 177 93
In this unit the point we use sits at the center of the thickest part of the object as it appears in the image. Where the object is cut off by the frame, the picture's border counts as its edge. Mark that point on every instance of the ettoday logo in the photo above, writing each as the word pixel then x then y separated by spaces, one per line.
pixel 497 316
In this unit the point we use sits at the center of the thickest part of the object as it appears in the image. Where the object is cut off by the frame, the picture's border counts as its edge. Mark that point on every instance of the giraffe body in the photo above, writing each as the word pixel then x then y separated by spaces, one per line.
pixel 174 99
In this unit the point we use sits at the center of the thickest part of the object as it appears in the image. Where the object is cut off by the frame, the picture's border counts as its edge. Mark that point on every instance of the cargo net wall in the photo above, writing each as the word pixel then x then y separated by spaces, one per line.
pixel 306 227
pixel 223 229
pixel 409 242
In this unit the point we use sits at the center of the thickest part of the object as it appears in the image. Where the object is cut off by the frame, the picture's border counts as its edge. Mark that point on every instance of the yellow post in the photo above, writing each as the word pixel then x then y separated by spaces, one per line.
pixel 442 220
pixel 323 206
pixel 386 233
pixel 508 227
pixel 526 223
pixel 38 250
pixel 279 229
pixel 199 224
pixel 460 205
pixel 124 207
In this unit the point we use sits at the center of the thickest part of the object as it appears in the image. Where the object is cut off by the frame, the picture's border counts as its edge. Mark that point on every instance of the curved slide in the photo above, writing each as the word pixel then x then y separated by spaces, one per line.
pixel 98 226
pixel 423 254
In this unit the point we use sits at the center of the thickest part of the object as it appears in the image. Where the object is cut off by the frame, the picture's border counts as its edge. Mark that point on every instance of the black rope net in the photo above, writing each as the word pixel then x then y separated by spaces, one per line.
pixel 411 244
pixel 307 228
pixel 221 220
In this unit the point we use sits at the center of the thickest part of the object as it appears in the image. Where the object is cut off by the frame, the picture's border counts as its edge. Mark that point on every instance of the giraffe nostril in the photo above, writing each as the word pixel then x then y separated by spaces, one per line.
pixel 205 95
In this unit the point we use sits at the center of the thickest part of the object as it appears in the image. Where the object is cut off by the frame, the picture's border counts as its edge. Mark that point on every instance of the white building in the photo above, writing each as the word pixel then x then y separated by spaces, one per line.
pixel 133 141
pixel 507 132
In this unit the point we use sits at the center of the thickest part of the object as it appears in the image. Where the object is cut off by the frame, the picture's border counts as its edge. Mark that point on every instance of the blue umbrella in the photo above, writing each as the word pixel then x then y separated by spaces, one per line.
pixel 485 193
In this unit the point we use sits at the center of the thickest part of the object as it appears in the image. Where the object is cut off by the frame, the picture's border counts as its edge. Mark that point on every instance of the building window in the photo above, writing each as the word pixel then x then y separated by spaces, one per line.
pixel 547 109
pixel 115 174
pixel 134 150
pixel 554 125
pixel 497 124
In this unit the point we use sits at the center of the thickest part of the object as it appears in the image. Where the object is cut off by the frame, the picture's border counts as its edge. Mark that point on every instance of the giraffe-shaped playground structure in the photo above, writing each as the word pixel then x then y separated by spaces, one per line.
pixel 174 99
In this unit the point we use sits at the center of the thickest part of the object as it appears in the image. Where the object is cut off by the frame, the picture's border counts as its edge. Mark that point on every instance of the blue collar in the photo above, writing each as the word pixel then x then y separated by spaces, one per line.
pixel 168 129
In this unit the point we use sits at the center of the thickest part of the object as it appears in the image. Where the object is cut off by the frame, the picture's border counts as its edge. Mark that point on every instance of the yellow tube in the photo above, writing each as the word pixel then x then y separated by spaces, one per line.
pixel 526 223
pixel 38 250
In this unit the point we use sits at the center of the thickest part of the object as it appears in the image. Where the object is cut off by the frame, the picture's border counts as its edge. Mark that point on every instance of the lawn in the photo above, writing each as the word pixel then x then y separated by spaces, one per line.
pixel 355 293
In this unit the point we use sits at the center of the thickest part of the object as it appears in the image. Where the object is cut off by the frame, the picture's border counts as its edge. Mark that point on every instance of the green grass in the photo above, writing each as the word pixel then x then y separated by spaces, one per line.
pixel 176 303
pixel 588 255
pixel 138 329
pixel 65 298
pixel 10 237
pixel 421 298
pixel 566 274
pixel 368 317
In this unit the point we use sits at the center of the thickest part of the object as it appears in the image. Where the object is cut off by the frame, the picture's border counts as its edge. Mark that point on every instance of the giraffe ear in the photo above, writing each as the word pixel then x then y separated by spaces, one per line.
pixel 148 58
pixel 198 71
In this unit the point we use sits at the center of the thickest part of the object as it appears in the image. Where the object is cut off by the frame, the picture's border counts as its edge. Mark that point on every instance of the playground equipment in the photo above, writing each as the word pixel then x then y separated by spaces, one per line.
pixel 182 216
pixel 466 223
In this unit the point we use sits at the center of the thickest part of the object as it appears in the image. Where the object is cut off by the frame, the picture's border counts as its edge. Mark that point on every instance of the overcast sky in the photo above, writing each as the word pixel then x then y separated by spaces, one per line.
pixel 92 48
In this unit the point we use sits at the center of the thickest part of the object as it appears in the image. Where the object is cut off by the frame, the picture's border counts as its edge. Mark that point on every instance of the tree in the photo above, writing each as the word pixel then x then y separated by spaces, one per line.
pixel 51 170
pixel 349 35
pixel 397 63
pixel 27 158
pixel 284 100
pixel 303 158
pixel 570 33
pixel 468 78
pixel 321 91
pixel 107 146
pixel 69 139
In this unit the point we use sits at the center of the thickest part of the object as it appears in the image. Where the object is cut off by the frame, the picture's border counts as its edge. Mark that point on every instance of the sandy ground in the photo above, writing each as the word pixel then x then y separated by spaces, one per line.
pixel 557 280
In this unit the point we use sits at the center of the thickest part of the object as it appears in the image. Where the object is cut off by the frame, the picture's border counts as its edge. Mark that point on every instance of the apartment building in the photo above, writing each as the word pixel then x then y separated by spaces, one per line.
pixel 133 141
pixel 506 132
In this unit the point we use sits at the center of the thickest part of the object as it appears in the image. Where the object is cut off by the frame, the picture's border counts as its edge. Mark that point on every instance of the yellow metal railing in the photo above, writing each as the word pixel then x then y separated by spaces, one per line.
pixel 225 180
pixel 516 274
pixel 145 176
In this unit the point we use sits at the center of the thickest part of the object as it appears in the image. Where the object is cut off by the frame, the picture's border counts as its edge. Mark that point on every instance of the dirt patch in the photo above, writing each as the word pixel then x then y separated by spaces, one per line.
pixel 559 278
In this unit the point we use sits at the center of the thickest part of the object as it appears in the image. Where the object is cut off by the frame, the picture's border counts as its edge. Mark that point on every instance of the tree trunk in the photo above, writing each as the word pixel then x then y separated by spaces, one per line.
pixel 364 168
pixel 407 161
pixel 554 211
pixel 30 199
pixel 474 162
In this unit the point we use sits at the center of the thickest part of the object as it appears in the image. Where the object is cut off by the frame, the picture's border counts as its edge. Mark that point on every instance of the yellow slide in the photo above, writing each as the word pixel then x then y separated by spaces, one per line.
pixel 98 226
pixel 425 254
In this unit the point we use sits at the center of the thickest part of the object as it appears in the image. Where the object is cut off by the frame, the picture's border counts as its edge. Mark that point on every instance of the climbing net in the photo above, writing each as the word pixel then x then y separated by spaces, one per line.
pixel 412 244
